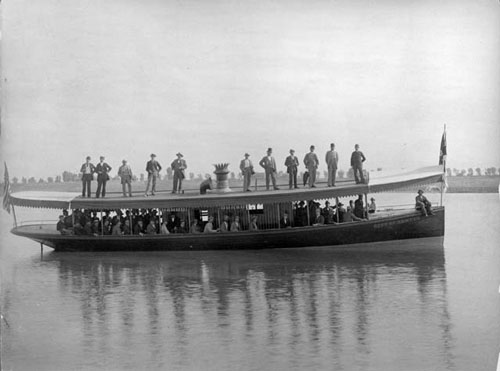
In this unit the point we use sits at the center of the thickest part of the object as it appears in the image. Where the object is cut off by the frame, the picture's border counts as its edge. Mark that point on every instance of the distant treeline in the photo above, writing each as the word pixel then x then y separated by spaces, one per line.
pixel 68 176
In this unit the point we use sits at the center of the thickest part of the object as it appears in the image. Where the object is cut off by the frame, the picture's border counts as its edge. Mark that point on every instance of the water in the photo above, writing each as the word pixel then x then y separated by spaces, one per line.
pixel 412 305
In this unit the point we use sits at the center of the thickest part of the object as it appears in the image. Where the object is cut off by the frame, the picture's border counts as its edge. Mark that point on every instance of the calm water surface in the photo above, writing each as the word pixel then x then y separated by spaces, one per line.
pixel 414 305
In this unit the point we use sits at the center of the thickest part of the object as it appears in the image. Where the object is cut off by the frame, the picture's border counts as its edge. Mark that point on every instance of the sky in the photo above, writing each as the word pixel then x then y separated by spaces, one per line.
pixel 215 79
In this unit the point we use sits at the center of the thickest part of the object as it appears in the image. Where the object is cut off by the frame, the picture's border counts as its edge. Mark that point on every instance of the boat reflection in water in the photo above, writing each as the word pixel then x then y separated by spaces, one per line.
pixel 293 308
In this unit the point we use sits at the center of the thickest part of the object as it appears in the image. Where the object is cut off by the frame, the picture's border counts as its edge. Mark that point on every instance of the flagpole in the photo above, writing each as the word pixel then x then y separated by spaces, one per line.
pixel 14 215
pixel 444 164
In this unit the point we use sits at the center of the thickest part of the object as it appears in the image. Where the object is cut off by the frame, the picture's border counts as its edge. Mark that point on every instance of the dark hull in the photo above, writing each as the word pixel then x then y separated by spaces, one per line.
pixel 406 226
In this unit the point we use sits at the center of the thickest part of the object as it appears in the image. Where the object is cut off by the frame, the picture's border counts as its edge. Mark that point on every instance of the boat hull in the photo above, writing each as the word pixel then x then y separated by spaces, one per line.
pixel 406 226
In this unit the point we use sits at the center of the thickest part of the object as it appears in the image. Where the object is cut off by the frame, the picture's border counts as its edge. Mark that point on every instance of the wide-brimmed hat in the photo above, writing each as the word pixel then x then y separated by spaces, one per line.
pixel 153 155
pixel 292 150
pixel 340 204
pixel 246 154
pixel 269 149
pixel 179 154
pixel 420 191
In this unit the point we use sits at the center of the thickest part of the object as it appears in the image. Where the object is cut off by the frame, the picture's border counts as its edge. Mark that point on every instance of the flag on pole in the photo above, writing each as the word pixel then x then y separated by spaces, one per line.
pixel 442 152
pixel 6 190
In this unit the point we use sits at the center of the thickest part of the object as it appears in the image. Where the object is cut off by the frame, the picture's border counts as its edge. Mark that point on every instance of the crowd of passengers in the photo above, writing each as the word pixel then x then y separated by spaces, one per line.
pixel 147 221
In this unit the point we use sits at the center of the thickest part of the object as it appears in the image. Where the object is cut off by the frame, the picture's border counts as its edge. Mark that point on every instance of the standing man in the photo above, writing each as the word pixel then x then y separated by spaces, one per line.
pixel 246 168
pixel 178 166
pixel 269 165
pixel 332 160
pixel 125 173
pixel 292 163
pixel 153 168
pixel 102 169
pixel 87 170
pixel 311 161
pixel 357 159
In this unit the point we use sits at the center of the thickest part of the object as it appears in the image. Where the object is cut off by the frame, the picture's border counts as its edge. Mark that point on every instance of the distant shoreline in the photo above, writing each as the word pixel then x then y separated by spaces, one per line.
pixel 456 184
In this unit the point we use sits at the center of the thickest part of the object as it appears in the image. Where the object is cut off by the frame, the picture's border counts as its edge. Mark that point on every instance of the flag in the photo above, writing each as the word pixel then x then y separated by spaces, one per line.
pixel 6 190
pixel 442 152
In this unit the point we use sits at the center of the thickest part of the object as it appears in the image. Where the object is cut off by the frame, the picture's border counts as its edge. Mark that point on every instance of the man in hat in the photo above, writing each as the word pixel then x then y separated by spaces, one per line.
pixel 247 171
pixel 102 169
pixel 153 168
pixel 125 173
pixel 178 166
pixel 269 165
pixel 423 204
pixel 357 159
pixel 372 207
pixel 311 161
pixel 87 170
pixel 292 163
pixel 332 160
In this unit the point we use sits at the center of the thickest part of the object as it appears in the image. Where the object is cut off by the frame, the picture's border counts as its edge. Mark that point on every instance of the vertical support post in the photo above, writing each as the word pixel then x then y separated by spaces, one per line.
pixel 131 226
pixel 365 211
pixel 255 187
pixel 102 224
pixel 337 206
pixel 41 250
pixel 189 218
pixel 279 214
pixel 308 216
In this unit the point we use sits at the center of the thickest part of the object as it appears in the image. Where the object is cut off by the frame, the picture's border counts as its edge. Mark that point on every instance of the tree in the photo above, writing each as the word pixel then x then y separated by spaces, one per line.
pixel 58 179
pixel 191 176
pixel 169 173
pixel 448 171
pixel 455 171
pixel 50 180
pixel 142 177
pixel 24 180
pixel 340 174
pixel 350 173
pixel 41 180
pixel 31 180
pixel 478 171
pixel 199 177
pixel 470 172
pixel 15 180
pixel 325 173
pixel 233 175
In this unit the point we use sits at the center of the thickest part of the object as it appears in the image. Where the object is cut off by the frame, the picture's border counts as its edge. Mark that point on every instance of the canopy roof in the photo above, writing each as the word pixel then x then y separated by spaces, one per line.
pixel 379 182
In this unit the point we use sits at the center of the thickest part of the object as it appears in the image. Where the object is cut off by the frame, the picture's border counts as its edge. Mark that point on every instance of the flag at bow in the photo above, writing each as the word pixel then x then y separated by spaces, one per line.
pixel 6 190
pixel 442 152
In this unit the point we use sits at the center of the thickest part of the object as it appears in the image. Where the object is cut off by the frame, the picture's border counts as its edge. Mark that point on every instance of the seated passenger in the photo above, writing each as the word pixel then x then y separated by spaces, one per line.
pixel 61 226
pixel 350 217
pixel 235 225
pixel 209 227
pixel 139 227
pixel 172 222
pixel 181 228
pixel 164 228
pixel 78 229
pixel 341 211
pixel 359 209
pixel 423 204
pixel 195 227
pixel 317 219
pixel 372 207
pixel 106 227
pixel 206 185
pixel 87 229
pixel 224 227
pixel 151 228
pixel 116 229
pixel 285 221
pixel 126 227
pixel 68 219
pixel 253 224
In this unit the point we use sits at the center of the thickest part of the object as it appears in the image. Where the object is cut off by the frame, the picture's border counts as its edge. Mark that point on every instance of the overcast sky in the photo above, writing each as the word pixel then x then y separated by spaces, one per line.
pixel 215 79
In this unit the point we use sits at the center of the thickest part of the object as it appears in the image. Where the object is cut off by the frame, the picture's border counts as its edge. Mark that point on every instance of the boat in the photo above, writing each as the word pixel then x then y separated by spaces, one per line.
pixel 268 206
